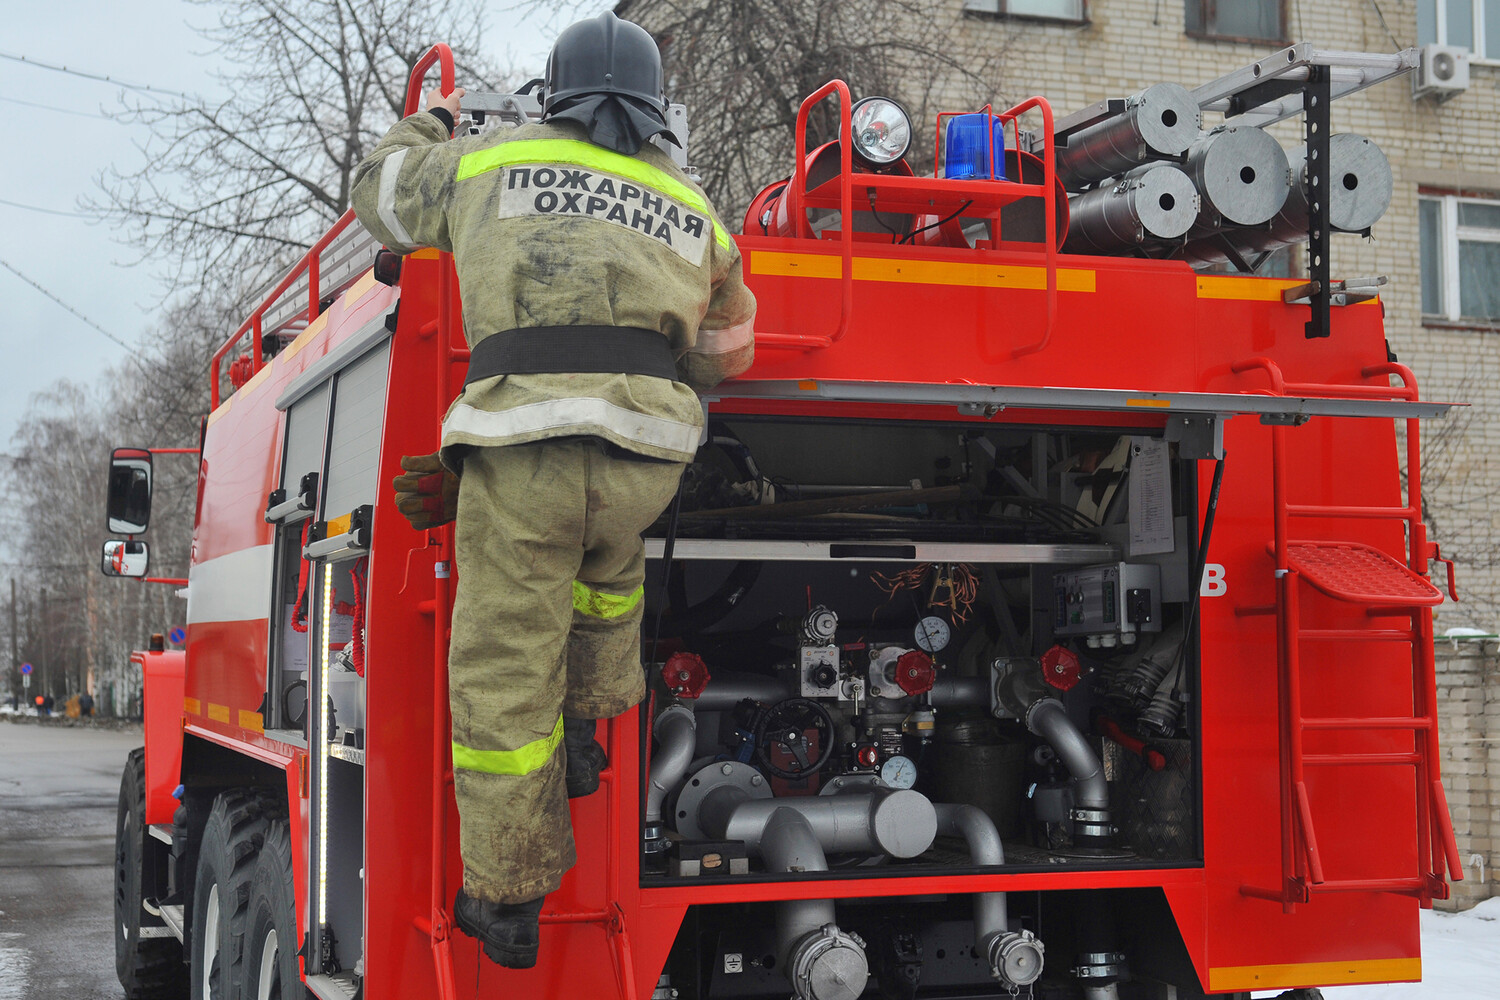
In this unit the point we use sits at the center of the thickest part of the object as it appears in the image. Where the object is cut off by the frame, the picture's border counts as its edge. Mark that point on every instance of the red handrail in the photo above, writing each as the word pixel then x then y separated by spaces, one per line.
pixel 797 193
pixel 1049 209
pixel 439 927
pixel 309 262
pixel 439 53
pixel 795 211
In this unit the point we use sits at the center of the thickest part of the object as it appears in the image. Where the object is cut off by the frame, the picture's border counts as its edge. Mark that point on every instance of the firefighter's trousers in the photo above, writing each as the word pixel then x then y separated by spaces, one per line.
pixel 546 623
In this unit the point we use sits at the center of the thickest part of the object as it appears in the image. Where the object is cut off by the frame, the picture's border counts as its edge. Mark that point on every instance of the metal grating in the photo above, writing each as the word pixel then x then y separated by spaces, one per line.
pixel 1350 571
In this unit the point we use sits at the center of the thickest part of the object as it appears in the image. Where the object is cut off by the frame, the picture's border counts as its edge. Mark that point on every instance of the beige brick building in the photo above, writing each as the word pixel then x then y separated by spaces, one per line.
pixel 1469 703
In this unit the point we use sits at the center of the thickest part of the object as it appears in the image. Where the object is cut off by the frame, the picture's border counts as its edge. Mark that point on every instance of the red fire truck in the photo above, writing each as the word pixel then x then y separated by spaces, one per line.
pixel 1031 620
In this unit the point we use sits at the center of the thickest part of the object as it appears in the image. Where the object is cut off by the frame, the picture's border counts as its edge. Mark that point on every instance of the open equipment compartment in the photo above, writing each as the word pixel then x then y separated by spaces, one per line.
pixel 918 636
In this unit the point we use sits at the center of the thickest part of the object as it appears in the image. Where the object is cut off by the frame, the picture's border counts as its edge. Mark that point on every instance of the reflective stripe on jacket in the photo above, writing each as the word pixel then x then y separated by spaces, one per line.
pixel 547 229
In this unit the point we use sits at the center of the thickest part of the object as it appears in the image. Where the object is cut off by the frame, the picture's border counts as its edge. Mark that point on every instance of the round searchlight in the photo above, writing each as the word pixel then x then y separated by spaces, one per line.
pixel 881 130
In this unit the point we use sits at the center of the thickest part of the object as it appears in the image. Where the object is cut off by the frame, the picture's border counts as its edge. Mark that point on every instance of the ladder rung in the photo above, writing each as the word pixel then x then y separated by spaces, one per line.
pixel 1308 510
pixel 1370 885
pixel 1380 634
pixel 586 917
pixel 1399 722
pixel 1342 759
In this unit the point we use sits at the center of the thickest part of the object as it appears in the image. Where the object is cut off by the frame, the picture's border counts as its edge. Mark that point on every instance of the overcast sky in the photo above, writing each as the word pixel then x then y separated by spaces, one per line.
pixel 52 155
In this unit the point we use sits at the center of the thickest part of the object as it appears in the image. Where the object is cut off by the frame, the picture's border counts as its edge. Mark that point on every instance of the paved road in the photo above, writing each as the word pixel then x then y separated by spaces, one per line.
pixel 58 790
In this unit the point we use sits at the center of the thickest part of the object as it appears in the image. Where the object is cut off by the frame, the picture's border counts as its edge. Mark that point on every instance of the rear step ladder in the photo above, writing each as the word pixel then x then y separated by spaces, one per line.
pixel 1358 574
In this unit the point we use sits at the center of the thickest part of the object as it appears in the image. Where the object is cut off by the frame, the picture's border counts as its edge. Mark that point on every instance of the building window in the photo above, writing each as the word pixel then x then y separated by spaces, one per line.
pixel 1460 241
pixel 1237 20
pixel 1469 24
pixel 1049 10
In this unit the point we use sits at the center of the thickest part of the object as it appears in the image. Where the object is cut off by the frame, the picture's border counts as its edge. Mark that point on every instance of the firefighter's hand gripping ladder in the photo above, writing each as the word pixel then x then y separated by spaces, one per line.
pixel 448 330
pixel 1362 575
pixel 898 193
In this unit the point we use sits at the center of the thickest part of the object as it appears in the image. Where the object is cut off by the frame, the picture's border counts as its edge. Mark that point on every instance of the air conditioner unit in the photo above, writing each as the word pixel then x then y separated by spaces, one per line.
pixel 1443 73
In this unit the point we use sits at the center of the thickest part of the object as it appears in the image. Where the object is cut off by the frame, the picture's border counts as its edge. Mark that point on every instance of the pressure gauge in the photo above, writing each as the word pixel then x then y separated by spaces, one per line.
pixel 898 772
pixel 933 633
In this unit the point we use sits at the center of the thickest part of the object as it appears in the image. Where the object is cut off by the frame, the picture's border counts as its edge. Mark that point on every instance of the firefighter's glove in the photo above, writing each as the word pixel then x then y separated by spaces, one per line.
pixel 426 493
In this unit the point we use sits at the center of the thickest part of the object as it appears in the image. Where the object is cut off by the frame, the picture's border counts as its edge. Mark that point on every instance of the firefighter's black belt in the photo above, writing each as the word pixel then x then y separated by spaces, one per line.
pixel 544 350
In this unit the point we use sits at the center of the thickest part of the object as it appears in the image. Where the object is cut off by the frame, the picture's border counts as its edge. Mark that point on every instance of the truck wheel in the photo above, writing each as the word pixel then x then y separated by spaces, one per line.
pixel 149 964
pixel 232 838
pixel 272 971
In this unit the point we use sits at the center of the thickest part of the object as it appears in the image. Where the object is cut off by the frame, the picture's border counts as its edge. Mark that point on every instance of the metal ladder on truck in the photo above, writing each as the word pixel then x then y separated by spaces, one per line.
pixel 1361 575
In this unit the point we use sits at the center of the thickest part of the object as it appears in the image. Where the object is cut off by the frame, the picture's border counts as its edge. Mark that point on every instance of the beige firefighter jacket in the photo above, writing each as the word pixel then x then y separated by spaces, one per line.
pixel 548 229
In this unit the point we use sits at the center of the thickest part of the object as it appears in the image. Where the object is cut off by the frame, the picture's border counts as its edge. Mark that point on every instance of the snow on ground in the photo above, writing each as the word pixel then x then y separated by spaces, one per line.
pixel 1460 960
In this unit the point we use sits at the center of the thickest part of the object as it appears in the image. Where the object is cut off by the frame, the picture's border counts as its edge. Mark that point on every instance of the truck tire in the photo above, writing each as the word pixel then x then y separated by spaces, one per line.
pixel 232 839
pixel 272 971
pixel 149 965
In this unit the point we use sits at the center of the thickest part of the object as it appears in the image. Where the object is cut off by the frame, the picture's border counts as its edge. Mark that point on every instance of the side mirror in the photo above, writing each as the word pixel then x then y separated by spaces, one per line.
pixel 129 503
pixel 122 558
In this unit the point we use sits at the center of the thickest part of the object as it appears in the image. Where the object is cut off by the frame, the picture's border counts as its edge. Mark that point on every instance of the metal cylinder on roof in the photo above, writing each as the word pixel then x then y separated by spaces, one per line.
pixel 1361 186
pixel 1155 202
pixel 1360 177
pixel 1160 122
pixel 1242 178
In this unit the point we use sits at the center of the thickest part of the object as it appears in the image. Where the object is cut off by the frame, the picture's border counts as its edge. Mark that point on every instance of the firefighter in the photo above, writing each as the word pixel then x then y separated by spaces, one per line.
pixel 599 291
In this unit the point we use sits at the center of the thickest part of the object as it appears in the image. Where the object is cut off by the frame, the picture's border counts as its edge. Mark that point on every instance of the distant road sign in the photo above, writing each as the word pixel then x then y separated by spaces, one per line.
pixel 177 635
pixel 25 668
pixel 26 681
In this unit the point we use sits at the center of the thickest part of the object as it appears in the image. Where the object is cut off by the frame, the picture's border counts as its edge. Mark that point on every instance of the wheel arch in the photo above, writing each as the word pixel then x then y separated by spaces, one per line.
pixel 209 767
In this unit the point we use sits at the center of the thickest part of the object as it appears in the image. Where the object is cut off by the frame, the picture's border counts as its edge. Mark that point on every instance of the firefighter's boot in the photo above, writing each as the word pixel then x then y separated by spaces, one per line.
pixel 586 758
pixel 509 932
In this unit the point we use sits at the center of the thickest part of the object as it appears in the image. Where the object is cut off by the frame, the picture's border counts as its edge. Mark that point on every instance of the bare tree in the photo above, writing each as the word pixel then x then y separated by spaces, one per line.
pixel 743 68
pixel 231 191
pixel 78 627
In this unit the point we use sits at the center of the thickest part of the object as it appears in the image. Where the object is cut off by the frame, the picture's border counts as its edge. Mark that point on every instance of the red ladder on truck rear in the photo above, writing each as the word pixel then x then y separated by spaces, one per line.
pixel 1363 575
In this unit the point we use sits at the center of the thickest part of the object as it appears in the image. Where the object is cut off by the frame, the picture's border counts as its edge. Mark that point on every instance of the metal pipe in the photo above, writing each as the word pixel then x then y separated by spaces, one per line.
pixel 985 848
pixel 1015 957
pixel 727 690
pixel 1242 179
pixel 677 732
pixel 1048 719
pixel 790 845
pixel 821 961
pixel 1157 202
pixel 1160 122
pixel 1359 195
pixel 949 691
pixel 899 823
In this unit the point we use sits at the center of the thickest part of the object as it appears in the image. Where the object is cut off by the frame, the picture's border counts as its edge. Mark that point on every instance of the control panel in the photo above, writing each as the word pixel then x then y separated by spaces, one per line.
pixel 1107 604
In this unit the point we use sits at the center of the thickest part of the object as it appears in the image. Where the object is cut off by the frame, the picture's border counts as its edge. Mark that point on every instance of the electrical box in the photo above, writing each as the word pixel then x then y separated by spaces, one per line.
pixel 1107 604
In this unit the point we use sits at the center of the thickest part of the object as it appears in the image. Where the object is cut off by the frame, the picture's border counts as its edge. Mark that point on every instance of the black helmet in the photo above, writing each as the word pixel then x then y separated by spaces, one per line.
pixel 608 56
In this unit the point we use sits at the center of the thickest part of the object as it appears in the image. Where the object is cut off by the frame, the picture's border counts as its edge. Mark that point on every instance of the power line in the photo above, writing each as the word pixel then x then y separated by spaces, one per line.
pixel 49 211
pixel 61 111
pixel 97 76
pixel 12 269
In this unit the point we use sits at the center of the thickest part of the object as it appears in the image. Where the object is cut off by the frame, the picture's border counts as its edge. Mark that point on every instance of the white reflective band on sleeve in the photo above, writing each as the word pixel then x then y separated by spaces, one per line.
pixel 581 413
pixel 724 341
pixel 390 172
